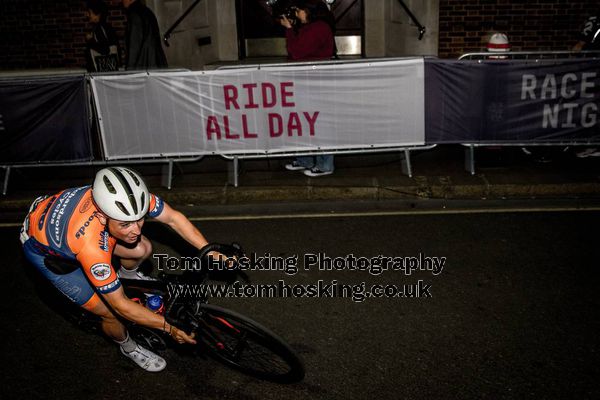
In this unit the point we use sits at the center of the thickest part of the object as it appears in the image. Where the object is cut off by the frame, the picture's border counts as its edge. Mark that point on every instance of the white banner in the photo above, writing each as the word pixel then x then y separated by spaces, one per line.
pixel 266 110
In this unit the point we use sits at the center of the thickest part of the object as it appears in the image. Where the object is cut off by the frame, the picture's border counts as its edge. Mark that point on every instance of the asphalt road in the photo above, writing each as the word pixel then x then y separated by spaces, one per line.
pixel 512 315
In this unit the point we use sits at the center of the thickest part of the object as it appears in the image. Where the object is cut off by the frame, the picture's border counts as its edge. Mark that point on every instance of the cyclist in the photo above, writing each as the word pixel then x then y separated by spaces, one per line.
pixel 87 226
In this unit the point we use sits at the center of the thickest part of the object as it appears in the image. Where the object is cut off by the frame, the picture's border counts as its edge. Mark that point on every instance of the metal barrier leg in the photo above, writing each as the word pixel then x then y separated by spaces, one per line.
pixel 470 159
pixel 406 165
pixel 167 175
pixel 233 172
pixel 6 176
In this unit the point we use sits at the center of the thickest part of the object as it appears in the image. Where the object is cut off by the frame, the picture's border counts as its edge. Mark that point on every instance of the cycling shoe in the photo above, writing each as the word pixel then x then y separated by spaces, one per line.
pixel 146 359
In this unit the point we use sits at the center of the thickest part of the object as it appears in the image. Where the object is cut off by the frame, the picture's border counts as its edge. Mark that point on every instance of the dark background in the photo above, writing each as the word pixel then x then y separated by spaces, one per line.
pixel 51 34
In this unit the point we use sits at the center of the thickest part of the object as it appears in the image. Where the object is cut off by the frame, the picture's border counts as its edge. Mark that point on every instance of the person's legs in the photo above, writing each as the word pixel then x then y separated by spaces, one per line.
pixel 113 328
pixel 73 285
pixel 323 166
pixel 78 289
pixel 301 163
pixel 324 163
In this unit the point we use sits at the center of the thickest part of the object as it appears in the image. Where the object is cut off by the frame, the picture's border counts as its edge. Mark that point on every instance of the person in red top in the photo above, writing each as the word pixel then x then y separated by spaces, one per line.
pixel 85 226
pixel 311 38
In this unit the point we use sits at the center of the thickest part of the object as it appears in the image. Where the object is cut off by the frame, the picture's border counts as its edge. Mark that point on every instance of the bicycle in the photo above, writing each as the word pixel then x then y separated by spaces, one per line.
pixel 225 335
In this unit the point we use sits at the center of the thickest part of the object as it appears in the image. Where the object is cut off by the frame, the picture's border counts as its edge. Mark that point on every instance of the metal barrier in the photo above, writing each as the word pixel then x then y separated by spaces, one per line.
pixel 99 159
pixel 535 56
pixel 406 162
pixel 167 170
pixel 529 55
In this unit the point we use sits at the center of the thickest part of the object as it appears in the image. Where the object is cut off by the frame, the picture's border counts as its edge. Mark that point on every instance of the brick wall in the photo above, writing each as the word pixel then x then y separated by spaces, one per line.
pixel 48 33
pixel 465 25
pixel 51 33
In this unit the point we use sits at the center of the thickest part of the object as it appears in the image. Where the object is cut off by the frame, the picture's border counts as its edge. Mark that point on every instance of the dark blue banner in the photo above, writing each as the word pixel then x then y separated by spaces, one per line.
pixel 44 120
pixel 512 101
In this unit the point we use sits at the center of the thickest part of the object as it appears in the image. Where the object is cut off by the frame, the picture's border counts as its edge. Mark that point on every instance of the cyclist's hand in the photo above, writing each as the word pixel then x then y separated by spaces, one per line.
pixel 229 261
pixel 181 337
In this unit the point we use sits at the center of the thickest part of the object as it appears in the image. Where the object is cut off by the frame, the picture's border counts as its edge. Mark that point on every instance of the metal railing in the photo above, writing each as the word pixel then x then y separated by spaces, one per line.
pixel 406 150
pixel 535 56
pixel 530 55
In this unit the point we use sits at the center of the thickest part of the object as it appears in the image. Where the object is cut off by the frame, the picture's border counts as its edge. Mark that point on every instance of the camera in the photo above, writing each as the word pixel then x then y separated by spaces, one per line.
pixel 290 14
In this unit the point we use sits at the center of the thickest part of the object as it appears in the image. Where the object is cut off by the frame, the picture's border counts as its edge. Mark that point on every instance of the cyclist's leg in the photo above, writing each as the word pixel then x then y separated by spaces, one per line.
pixel 78 289
pixel 111 326
pixel 74 285
pixel 132 257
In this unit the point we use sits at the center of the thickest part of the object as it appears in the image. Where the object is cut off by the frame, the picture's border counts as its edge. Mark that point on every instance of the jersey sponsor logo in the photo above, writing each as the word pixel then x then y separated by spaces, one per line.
pixel 81 231
pixel 61 214
pixel 85 206
pixel 101 271
pixel 43 216
pixel 103 242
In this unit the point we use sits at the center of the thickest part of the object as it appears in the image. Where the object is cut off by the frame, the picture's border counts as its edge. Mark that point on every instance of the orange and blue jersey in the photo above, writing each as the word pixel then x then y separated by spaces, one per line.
pixel 66 226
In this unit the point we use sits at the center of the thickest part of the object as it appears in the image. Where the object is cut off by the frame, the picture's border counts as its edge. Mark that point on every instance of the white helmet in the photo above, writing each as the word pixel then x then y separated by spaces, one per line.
pixel 121 194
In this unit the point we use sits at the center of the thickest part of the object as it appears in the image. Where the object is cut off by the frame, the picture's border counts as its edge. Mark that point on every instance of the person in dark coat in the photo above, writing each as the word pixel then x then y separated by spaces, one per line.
pixel 143 47
pixel 102 45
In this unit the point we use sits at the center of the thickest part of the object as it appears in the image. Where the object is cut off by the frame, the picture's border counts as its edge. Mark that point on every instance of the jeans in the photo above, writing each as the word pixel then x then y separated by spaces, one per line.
pixel 322 163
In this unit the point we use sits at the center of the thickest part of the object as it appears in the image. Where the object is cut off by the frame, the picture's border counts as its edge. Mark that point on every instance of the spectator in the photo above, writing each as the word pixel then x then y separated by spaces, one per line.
pixel 143 47
pixel 310 37
pixel 590 35
pixel 498 44
pixel 590 40
pixel 102 46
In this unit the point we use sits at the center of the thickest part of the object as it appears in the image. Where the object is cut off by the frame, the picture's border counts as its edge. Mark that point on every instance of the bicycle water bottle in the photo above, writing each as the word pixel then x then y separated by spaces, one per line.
pixel 155 304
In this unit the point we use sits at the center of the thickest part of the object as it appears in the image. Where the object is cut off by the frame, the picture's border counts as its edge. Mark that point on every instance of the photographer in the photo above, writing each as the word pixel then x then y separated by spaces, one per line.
pixel 310 36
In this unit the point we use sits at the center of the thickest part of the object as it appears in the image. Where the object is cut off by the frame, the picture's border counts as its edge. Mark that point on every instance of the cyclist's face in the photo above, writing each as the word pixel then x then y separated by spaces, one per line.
pixel 128 232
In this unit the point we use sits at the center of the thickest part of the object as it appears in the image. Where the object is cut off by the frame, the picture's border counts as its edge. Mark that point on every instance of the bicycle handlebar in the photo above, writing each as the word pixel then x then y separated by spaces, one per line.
pixel 230 250
pixel 227 271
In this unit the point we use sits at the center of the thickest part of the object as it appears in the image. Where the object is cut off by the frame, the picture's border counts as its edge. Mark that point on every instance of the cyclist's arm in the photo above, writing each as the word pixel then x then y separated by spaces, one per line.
pixel 182 226
pixel 139 314
pixel 185 229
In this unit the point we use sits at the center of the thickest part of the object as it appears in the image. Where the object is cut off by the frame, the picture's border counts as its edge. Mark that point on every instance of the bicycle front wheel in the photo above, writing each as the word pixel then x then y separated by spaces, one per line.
pixel 247 346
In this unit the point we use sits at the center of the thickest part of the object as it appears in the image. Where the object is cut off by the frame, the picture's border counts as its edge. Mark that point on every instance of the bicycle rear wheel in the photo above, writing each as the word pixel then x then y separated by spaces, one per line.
pixel 247 346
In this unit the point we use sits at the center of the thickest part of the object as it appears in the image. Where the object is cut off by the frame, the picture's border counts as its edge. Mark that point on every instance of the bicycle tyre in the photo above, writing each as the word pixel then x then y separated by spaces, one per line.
pixel 247 346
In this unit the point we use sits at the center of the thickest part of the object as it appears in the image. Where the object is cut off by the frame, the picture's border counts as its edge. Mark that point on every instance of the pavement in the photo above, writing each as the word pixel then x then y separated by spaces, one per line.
pixel 439 175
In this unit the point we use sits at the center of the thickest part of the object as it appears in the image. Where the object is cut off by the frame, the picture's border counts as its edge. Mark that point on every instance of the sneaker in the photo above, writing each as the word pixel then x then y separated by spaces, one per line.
pixel 314 172
pixel 134 275
pixel 146 359
pixel 590 152
pixel 294 166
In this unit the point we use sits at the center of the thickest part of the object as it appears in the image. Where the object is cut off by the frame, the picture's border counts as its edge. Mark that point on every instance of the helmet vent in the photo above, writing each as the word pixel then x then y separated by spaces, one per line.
pixel 122 207
pixel 109 185
pixel 135 179
pixel 133 203
pixel 143 201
